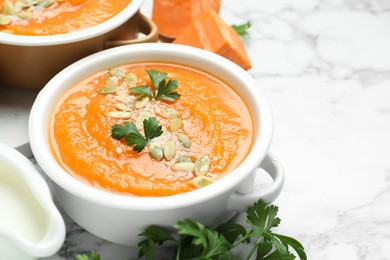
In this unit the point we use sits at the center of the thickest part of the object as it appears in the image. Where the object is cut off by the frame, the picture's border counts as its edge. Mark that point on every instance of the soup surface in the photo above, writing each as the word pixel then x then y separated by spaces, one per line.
pixel 192 135
pixel 48 17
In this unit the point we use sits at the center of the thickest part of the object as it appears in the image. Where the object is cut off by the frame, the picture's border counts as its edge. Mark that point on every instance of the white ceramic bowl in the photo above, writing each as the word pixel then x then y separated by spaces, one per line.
pixel 120 218
pixel 30 224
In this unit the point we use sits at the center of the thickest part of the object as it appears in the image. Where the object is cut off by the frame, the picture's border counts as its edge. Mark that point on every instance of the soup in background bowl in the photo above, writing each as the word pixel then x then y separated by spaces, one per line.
pixel 40 38
pixel 119 216
pixel 49 17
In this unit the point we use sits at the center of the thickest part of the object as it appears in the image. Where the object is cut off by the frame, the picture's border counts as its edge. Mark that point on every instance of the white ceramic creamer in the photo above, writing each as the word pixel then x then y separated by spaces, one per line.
pixel 30 224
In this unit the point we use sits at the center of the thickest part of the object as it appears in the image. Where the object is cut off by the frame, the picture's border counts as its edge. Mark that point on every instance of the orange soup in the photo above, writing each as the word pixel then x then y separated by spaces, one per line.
pixel 48 17
pixel 151 129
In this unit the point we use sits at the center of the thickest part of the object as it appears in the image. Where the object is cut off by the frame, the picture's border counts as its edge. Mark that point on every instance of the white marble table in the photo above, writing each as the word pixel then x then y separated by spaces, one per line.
pixel 325 67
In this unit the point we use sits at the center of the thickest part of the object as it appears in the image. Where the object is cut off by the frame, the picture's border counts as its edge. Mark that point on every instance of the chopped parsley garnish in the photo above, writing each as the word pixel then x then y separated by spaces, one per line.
pixel 161 89
pixel 129 132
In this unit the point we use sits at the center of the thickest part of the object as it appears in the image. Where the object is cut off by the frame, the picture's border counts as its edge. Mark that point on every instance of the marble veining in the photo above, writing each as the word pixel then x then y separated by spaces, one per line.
pixel 324 66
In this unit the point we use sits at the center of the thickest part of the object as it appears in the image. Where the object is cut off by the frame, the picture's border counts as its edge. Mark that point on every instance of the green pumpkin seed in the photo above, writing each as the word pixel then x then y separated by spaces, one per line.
pixel 175 124
pixel 201 181
pixel 28 3
pixel 156 151
pixel 18 6
pixel 126 98
pixel 119 114
pixel 4 20
pixel 122 107
pixel 183 167
pixel 8 8
pixel 202 165
pixel 45 3
pixel 139 122
pixel 131 79
pixel 182 158
pixel 185 140
pixel 25 15
pixel 171 112
pixel 110 87
pixel 117 73
pixel 140 103
pixel 169 150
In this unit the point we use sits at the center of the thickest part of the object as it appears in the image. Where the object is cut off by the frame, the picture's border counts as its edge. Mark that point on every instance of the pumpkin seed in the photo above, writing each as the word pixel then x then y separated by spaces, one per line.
pixel 201 181
pixel 117 73
pixel 25 15
pixel 185 140
pixel 110 87
pixel 184 159
pixel 175 124
pixel 171 112
pixel 169 150
pixel 139 122
pixel 202 165
pixel 4 20
pixel 122 107
pixel 183 167
pixel 18 5
pixel 140 103
pixel 131 79
pixel 126 98
pixel 119 114
pixel 28 3
pixel 156 151
pixel 45 3
pixel 8 8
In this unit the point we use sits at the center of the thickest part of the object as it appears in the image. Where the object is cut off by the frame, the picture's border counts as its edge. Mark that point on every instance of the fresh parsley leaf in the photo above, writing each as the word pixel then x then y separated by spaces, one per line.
pixel 119 131
pixel 137 140
pixel 161 89
pixel 156 77
pixel 242 29
pixel 293 243
pixel 194 229
pixel 275 255
pixel 231 231
pixel 151 128
pixel 264 250
pixel 207 242
pixel 262 217
pixel 154 235
pixel 142 90
pixel 92 256
pixel 146 248
pixel 165 90
pixel 133 137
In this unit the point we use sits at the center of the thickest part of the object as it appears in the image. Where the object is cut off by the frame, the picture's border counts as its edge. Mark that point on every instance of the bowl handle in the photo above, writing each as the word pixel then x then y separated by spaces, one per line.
pixel 240 201
pixel 144 25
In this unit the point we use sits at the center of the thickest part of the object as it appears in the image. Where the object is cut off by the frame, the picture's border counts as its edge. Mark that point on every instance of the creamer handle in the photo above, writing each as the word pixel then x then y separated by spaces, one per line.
pixel 240 201
pixel 145 26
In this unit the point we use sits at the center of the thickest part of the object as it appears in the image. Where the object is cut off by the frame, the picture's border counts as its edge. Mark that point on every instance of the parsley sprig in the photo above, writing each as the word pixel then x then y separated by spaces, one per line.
pixel 133 137
pixel 195 241
pixel 161 89
pixel 242 29
pixel 92 256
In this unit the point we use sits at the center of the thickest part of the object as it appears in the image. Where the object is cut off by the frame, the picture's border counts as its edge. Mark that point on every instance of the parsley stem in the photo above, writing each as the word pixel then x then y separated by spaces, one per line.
pixel 254 248
pixel 237 243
